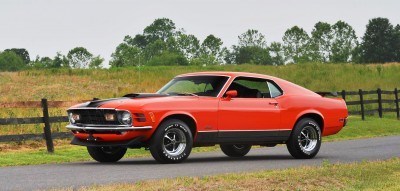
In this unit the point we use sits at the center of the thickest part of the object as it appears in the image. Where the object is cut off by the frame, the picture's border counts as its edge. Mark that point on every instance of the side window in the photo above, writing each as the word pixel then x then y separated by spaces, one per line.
pixel 275 91
pixel 250 87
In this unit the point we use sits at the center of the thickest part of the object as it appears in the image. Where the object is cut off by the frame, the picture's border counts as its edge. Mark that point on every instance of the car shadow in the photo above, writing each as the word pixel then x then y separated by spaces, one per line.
pixel 202 159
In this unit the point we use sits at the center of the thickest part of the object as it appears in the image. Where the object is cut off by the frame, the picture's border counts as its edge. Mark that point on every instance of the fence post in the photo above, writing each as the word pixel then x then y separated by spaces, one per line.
pixel 344 95
pixel 396 96
pixel 379 91
pixel 47 129
pixel 362 104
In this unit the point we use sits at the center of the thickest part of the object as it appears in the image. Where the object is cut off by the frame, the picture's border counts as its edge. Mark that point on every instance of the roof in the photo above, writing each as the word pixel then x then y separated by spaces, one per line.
pixel 286 86
pixel 232 74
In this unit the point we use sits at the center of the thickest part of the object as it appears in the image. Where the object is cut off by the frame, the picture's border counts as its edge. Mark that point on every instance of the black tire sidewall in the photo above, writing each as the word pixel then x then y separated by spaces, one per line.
pixel 156 145
pixel 294 144
pixel 98 154
pixel 231 151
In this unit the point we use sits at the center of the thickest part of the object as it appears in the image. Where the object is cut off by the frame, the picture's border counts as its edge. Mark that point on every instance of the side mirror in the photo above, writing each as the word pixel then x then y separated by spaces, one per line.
pixel 231 94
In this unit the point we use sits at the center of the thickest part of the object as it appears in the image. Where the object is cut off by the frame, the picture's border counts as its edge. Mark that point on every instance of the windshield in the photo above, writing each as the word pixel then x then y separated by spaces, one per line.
pixel 198 85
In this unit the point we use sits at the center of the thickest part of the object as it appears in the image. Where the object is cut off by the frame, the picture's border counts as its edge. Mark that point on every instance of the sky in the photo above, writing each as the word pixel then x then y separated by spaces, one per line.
pixel 45 27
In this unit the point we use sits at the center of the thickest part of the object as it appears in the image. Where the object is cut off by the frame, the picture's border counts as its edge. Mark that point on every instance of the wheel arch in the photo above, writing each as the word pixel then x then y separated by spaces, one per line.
pixel 185 117
pixel 315 115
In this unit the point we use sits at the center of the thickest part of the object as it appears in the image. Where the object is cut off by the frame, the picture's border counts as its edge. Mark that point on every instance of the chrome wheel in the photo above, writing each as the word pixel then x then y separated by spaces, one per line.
pixel 308 138
pixel 174 142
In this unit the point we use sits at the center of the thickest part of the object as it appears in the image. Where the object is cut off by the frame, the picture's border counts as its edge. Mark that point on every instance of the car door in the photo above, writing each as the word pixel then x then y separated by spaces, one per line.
pixel 253 113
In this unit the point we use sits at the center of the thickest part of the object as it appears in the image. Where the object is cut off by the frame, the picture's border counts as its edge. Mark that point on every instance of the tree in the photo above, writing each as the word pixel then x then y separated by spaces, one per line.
pixel 79 57
pixel 277 53
pixel 160 29
pixel 252 38
pixel 344 41
pixel 228 56
pixel 155 48
pixel 139 41
pixel 378 43
pixel 396 43
pixel 126 55
pixel 189 45
pixel 10 61
pixel 211 50
pixel 168 58
pixel 296 45
pixel 251 48
pixel 96 62
pixel 21 52
pixel 60 61
pixel 252 55
pixel 321 41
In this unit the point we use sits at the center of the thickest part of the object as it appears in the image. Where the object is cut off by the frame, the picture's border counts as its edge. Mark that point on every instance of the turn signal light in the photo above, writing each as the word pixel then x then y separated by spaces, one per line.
pixel 110 117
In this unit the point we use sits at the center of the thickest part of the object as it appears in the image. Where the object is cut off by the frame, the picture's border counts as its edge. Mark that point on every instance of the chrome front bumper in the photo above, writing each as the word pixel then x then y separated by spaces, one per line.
pixel 93 127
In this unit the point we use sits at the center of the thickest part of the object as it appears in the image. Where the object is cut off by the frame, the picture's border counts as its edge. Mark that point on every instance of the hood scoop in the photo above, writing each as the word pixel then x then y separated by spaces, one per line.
pixel 96 102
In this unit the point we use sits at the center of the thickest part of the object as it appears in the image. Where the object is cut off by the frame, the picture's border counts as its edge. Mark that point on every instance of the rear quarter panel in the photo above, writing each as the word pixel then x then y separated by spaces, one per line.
pixel 293 107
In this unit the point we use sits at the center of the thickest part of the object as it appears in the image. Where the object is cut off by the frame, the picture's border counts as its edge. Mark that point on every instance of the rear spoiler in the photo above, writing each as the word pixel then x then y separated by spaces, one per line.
pixel 324 94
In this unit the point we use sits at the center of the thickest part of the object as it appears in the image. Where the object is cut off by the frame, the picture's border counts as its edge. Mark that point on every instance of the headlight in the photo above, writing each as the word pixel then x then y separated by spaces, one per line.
pixel 73 117
pixel 125 118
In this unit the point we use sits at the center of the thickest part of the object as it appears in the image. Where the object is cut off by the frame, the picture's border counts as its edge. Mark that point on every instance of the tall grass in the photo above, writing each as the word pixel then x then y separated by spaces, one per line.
pixel 67 84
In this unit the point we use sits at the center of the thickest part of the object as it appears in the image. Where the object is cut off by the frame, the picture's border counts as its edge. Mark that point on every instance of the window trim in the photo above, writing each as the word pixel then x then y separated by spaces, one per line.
pixel 269 80
pixel 220 91
pixel 277 86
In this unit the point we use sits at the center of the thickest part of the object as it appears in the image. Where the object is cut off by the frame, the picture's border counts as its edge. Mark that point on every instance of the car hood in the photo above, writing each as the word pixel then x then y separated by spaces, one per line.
pixel 133 100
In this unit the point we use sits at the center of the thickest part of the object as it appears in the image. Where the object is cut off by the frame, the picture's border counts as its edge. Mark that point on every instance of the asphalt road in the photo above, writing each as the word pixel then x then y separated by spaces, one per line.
pixel 199 164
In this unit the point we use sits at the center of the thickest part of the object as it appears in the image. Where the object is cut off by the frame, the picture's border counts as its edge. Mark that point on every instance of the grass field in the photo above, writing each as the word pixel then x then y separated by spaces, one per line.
pixel 375 175
pixel 85 84
pixel 74 85
pixel 35 153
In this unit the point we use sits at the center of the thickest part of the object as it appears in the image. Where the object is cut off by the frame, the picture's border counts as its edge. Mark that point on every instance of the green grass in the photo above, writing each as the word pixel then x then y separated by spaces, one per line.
pixel 375 175
pixel 371 127
pixel 356 129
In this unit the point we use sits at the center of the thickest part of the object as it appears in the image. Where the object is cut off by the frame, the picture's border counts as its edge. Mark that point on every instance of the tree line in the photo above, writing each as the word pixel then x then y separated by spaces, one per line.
pixel 162 43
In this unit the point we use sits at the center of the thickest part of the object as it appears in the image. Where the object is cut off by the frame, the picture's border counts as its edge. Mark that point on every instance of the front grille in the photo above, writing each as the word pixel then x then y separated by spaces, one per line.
pixel 95 116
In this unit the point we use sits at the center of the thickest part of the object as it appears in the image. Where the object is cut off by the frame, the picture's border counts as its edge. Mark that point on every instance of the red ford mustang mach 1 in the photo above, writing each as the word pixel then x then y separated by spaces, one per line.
pixel 235 110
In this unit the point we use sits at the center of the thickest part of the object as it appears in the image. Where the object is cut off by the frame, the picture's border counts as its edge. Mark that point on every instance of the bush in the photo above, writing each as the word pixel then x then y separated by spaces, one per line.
pixel 168 59
pixel 9 61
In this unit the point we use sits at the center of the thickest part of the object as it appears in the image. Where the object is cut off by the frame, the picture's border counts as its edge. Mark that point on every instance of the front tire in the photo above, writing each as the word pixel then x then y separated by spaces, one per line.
pixel 235 150
pixel 305 140
pixel 172 142
pixel 106 154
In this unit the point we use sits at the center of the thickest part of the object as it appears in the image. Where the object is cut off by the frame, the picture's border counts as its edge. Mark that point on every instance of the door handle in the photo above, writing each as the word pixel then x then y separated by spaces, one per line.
pixel 273 103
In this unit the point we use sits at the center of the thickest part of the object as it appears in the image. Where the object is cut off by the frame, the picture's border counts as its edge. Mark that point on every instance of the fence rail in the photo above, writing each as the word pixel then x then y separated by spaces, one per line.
pixel 379 101
pixel 49 136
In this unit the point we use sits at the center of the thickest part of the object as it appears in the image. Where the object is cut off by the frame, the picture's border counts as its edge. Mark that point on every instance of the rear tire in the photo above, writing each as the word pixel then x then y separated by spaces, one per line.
pixel 305 140
pixel 106 154
pixel 172 142
pixel 237 150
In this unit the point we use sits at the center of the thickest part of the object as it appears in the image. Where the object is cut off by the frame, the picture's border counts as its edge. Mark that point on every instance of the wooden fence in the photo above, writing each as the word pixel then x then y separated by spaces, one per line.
pixel 49 136
pixel 46 120
pixel 379 101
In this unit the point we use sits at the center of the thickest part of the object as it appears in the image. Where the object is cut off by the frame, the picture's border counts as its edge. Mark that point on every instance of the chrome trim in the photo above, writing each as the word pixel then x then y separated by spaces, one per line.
pixel 190 75
pixel 244 130
pixel 268 79
pixel 106 127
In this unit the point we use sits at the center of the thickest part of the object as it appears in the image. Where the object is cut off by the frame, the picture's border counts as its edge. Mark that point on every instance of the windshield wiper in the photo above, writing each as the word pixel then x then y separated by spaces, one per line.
pixel 183 94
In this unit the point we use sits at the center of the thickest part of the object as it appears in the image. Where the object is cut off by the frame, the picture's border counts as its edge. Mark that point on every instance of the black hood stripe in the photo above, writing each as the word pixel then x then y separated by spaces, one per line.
pixel 98 103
